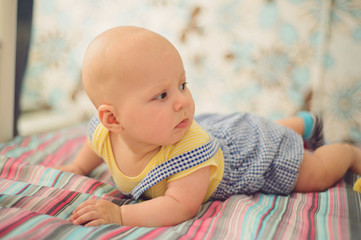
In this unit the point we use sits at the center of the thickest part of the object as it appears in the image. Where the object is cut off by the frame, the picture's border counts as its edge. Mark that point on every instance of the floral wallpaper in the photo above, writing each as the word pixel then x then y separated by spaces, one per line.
pixel 269 57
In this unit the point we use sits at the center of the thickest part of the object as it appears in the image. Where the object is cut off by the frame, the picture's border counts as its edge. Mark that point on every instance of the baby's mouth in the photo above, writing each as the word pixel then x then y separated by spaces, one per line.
pixel 183 124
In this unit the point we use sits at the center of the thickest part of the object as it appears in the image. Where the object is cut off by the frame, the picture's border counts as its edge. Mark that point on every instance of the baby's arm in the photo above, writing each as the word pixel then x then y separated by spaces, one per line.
pixel 181 202
pixel 86 161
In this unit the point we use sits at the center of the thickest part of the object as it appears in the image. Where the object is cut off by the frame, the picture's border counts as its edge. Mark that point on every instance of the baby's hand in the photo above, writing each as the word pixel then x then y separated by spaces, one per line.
pixel 73 168
pixel 96 212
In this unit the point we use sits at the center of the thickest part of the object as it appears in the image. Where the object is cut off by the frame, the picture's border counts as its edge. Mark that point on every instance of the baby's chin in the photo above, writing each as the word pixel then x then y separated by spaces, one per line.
pixel 174 139
pixel 181 136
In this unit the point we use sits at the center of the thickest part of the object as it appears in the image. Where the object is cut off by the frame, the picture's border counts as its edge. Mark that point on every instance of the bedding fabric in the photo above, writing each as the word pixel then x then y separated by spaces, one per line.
pixel 36 202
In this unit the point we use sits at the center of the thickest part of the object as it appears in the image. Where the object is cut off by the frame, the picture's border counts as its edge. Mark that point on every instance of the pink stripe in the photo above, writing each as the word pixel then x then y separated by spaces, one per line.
pixel 7 149
pixel 207 226
pixel 62 204
pixel 89 233
pixel 13 170
pixel 7 168
pixel 219 206
pixel 312 214
pixel 152 234
pixel 342 211
pixel 17 222
pixel 288 216
pixel 56 179
pixel 304 224
pixel 24 156
pixel 62 154
pixel 95 187
pixel 25 141
pixel 26 186
pixel 192 229
pixel 214 209
pixel 40 204
pixel 113 193
pixel 203 228
pixel 49 141
pixel 10 168
pixel 36 175
pixel 51 192
pixel 115 233
pixel 17 170
pixel 47 202
pixel 265 215
pixel 43 145
pixel 30 152
pixel 331 204
pixel 40 230
pixel 86 188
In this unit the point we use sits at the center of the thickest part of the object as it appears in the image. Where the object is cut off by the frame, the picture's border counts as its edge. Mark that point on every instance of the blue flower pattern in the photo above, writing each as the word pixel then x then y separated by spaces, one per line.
pixel 255 56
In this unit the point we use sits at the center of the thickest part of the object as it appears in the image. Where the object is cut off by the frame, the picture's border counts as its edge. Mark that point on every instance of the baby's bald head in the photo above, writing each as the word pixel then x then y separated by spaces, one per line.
pixel 113 56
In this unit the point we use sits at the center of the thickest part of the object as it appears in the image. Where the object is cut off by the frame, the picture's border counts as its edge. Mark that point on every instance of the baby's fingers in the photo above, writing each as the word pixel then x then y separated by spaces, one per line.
pixel 94 223
pixel 85 205
pixel 85 218
pixel 81 213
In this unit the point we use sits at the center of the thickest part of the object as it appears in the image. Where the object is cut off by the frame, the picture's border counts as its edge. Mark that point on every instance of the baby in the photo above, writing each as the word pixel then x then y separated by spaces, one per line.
pixel 146 134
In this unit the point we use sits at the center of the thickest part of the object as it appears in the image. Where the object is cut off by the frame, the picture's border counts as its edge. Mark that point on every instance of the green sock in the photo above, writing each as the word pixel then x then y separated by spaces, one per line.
pixel 308 122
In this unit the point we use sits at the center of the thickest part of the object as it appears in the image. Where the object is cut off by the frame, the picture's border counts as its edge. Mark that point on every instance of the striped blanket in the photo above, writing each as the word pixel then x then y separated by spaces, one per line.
pixel 36 202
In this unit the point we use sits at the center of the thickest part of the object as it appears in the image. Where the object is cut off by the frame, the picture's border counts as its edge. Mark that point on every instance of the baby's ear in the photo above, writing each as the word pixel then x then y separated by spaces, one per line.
pixel 108 118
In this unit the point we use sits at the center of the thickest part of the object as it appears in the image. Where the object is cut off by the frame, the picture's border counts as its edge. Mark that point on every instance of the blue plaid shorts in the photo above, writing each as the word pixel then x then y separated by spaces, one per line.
pixel 259 155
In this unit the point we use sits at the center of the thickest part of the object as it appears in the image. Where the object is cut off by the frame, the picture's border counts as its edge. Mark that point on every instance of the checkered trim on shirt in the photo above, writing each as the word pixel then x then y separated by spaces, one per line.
pixel 177 164
pixel 92 126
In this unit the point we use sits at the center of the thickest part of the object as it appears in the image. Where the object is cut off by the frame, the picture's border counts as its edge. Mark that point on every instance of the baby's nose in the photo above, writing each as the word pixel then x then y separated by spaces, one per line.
pixel 180 103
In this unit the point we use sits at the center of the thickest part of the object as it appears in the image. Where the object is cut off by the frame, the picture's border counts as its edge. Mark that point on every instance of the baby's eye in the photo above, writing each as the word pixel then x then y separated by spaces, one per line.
pixel 161 96
pixel 183 86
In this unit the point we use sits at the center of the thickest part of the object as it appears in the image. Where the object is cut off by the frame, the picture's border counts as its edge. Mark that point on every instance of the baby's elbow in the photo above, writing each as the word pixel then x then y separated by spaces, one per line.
pixel 175 217
pixel 193 210
pixel 189 211
pixel 180 215
pixel 184 211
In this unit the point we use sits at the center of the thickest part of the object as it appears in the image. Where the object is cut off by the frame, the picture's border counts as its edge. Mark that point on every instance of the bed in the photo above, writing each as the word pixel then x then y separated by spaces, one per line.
pixel 36 202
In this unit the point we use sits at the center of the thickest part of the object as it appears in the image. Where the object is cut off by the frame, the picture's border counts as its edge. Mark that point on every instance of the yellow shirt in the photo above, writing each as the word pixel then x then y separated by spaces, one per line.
pixel 194 138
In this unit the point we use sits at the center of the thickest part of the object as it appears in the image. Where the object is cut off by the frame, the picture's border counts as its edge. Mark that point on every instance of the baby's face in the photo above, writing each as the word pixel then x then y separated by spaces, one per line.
pixel 155 105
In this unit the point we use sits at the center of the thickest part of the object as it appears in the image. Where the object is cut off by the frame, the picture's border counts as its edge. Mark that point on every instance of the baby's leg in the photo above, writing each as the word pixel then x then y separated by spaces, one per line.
pixel 294 123
pixel 327 165
pixel 309 126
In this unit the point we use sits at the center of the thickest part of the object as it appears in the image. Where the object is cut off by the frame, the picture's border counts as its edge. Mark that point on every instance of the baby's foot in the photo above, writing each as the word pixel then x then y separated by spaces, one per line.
pixel 316 139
